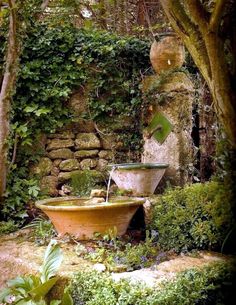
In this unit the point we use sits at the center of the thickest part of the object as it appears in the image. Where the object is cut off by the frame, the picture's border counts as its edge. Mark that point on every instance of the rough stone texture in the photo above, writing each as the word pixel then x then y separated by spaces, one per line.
pixel 102 164
pixel 59 143
pixel 43 168
pixel 55 171
pixel 177 148
pixel 178 81
pixel 82 125
pixel 80 154
pixel 65 176
pixel 69 165
pixel 112 142
pixel 98 193
pixel 56 162
pixel 49 185
pixel 176 151
pixel 106 154
pixel 63 153
pixel 121 123
pixel 87 141
pixel 78 102
pixel 62 135
pixel 88 164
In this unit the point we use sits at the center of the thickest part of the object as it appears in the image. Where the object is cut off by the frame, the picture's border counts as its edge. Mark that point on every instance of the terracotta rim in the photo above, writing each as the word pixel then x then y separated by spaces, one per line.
pixel 114 202
pixel 127 166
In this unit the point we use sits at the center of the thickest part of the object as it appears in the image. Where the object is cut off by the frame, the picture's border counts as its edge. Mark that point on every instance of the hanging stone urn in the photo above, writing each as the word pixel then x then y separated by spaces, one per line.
pixel 167 53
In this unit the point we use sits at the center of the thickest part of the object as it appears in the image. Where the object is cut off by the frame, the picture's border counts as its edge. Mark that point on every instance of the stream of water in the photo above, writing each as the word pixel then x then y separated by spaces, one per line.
pixel 109 183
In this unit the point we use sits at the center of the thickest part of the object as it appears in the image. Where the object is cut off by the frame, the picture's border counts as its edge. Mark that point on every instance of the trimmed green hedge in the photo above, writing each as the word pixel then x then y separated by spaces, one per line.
pixel 198 216
pixel 210 285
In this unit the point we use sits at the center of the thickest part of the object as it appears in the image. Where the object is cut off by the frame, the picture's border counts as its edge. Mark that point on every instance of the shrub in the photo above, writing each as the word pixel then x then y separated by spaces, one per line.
pixel 210 285
pixel 198 216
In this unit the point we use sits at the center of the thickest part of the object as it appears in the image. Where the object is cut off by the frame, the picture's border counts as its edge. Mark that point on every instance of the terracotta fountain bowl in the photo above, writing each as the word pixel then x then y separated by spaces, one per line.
pixel 78 217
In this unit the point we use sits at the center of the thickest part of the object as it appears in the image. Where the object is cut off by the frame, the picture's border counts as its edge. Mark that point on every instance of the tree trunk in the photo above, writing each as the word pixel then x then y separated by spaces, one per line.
pixel 200 34
pixel 7 88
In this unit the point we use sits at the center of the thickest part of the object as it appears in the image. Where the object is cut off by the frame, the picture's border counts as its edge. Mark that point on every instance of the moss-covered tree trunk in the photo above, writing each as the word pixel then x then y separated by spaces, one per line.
pixel 7 88
pixel 209 35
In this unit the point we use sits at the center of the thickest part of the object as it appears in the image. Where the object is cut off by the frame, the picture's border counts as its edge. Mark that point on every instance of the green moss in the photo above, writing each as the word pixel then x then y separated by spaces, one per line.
pixel 83 182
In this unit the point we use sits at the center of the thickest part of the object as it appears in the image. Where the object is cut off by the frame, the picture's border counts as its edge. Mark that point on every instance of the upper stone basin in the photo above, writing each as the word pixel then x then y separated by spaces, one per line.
pixel 140 178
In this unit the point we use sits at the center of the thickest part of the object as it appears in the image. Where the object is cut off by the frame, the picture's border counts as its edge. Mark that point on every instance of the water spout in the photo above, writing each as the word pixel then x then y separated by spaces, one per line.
pixel 109 182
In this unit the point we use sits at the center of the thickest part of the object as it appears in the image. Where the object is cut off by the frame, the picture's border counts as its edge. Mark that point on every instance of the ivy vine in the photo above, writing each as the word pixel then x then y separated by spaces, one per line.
pixel 58 61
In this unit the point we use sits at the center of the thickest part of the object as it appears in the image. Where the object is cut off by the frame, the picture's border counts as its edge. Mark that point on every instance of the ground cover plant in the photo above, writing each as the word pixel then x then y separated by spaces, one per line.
pixel 42 230
pixel 207 286
pixel 122 253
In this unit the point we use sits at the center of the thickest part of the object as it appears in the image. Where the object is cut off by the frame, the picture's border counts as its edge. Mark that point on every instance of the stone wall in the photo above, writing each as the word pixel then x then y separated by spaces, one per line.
pixel 84 145
pixel 75 149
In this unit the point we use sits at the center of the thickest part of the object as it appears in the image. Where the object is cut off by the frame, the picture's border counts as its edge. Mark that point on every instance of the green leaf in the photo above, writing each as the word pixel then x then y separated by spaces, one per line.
pixel 30 109
pixel 52 261
pixel 55 302
pixel 4 293
pixel 21 282
pixel 43 289
pixel 42 111
pixel 34 190
pixel 66 299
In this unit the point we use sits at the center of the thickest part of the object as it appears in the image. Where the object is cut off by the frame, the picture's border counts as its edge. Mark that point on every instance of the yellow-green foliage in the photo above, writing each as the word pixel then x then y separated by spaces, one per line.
pixel 198 216
pixel 210 285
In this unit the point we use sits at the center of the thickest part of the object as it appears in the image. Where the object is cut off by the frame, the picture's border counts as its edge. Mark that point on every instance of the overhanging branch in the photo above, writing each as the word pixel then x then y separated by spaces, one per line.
pixel 216 15
pixel 197 14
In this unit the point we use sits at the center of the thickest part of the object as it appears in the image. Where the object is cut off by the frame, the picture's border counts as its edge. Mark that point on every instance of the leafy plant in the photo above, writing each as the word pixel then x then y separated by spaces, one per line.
pixel 20 191
pixel 116 253
pixel 198 216
pixel 206 286
pixel 43 230
pixel 33 289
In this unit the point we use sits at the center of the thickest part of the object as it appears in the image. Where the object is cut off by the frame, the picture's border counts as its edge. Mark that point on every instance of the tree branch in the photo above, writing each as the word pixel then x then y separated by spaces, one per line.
pixel 189 33
pixel 197 14
pixel 14 150
pixel 216 15
pixel 7 88
pixel 176 11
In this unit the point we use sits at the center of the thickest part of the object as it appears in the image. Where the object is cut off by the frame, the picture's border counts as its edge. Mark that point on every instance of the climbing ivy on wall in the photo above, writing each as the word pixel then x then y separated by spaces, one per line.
pixel 57 61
